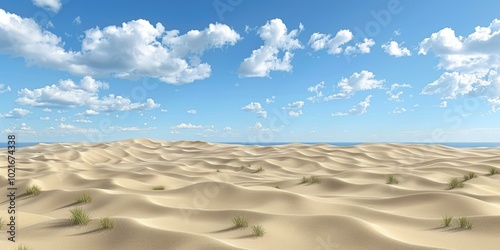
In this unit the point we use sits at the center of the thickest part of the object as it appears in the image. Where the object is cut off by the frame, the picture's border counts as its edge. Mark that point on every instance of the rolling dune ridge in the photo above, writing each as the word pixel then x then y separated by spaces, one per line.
pixel 206 185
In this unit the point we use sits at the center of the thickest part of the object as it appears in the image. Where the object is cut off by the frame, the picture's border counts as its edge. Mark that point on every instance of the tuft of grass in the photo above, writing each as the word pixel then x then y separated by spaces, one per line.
pixel 22 247
pixel 258 230
pixel 107 223
pixel 391 180
pixel 277 186
pixel 79 216
pixel 260 169
pixel 447 220
pixel 464 223
pixel 494 171
pixel 455 183
pixel 85 198
pixel 310 180
pixel 218 171
pixel 34 190
pixel 470 176
pixel 158 188
pixel 240 221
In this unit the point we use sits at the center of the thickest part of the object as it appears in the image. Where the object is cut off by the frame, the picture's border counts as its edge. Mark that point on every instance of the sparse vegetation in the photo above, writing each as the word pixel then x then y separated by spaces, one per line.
pixel 240 221
pixel 447 220
pixel 79 216
pixel 494 171
pixel 258 230
pixel 218 171
pixel 107 223
pixel 391 180
pixel 455 183
pixel 22 247
pixel 470 176
pixel 85 198
pixel 464 223
pixel 158 188
pixel 34 190
pixel 310 180
pixel 278 187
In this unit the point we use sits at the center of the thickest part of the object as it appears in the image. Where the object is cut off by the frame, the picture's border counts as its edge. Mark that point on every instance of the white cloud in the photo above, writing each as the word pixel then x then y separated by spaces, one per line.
pixel 174 132
pixel 133 50
pixel 361 48
pixel 476 53
pixel 192 111
pixel 83 121
pixel 270 100
pixel 265 59
pixel 90 112
pixel 15 113
pixel 394 49
pixel 186 126
pixel 295 105
pixel 163 110
pixel 130 129
pixel 66 126
pixel 365 80
pixel 295 113
pixel 45 118
pixel 398 110
pixel 227 129
pixel 396 96
pixel 320 41
pixel 77 20
pixel 361 108
pixel 494 102
pixel 339 114
pixel 4 89
pixel 318 93
pixel 256 108
pixel 443 104
pixel 52 5
pixel 68 94
pixel 452 85
pixel 258 127
pixel 47 110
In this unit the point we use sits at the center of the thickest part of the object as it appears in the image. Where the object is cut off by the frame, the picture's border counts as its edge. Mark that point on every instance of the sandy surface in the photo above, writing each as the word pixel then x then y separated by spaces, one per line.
pixel 351 208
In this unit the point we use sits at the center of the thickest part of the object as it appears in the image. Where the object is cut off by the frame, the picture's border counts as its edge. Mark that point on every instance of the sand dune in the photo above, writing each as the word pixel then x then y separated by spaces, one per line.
pixel 207 184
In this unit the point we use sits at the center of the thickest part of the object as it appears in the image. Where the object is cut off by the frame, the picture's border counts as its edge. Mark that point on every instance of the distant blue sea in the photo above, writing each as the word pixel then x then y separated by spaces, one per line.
pixel 342 144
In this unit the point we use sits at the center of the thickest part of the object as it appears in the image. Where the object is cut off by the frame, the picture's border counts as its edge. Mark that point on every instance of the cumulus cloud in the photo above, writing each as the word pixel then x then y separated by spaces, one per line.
pixel 256 108
pixel 454 84
pixel 83 121
pixel 164 110
pixel 394 49
pixel 443 104
pixel 52 5
pixel 364 80
pixel 4 89
pixel 394 92
pixel 133 50
pixel 319 41
pixel 360 48
pixel 295 105
pixel 316 90
pixel 192 111
pixel 258 127
pixel 68 94
pixel 476 53
pixel 186 126
pixel 270 100
pixel 293 113
pixel 359 109
pixel 46 118
pixel 15 113
pixel 266 59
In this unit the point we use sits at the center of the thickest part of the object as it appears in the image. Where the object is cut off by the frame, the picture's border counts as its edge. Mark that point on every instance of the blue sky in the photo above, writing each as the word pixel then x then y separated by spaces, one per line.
pixel 250 71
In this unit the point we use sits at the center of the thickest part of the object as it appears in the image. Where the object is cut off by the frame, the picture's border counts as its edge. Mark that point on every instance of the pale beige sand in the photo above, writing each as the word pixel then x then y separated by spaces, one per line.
pixel 352 207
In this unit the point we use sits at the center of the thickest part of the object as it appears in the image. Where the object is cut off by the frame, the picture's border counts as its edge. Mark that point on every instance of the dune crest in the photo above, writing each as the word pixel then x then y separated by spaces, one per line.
pixel 184 194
